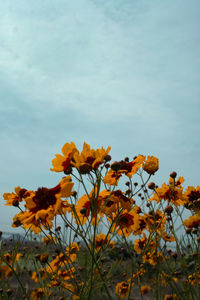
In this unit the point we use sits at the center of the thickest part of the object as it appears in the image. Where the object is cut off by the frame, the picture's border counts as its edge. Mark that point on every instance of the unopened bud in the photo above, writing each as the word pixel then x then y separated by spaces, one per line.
pixel 173 175
pixel 15 203
pixel 151 185
pixel 169 209
pixel 174 255
pixel 107 157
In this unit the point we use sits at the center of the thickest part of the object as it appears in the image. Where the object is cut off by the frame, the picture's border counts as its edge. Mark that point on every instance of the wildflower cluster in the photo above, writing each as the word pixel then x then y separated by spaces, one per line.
pixel 102 206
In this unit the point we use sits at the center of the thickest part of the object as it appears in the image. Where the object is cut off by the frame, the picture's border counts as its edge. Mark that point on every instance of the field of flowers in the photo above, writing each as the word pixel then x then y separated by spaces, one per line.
pixel 123 237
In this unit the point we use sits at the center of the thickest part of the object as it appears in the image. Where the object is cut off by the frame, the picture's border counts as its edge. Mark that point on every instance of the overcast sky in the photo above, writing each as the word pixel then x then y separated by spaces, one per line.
pixel 123 73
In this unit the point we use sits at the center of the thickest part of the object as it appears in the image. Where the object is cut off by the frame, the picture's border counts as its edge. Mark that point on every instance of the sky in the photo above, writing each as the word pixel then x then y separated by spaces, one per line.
pixel 122 73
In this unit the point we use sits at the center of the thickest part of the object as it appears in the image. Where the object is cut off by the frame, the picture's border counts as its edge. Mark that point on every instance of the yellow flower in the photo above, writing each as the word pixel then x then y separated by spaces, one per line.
pixel 145 289
pixel 89 159
pixel 43 204
pixel 123 167
pixel 122 289
pixel 87 206
pixel 166 237
pixel 192 196
pixel 155 221
pixel 14 198
pixel 39 293
pixel 172 192
pixel 101 241
pixel 64 162
pixel 171 297
pixel 71 251
pixel 126 222
pixel 193 221
pixel 151 165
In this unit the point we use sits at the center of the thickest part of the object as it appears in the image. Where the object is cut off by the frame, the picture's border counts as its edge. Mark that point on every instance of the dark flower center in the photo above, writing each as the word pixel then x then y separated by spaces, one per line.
pixel 45 197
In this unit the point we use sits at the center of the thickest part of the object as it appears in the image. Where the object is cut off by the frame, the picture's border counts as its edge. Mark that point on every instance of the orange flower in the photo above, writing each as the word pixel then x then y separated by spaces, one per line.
pixel 123 167
pixel 64 162
pixel 101 241
pixel 126 222
pixel 171 297
pixel 192 196
pixel 143 244
pixel 39 293
pixel 145 289
pixel 89 159
pixel 151 165
pixel 71 251
pixel 193 221
pixel 14 198
pixel 49 240
pixel 122 289
pixel 140 244
pixel 166 237
pixel 43 204
pixel 173 192
pixel 111 201
pixel 152 257
pixel 87 207
pixel 112 177
pixel 155 220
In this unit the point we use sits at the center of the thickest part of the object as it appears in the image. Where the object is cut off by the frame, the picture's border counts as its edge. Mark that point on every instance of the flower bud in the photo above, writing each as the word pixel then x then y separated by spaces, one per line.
pixel 151 185
pixel 169 209
pixel 107 157
pixel 15 203
pixel 174 255
pixel 173 175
